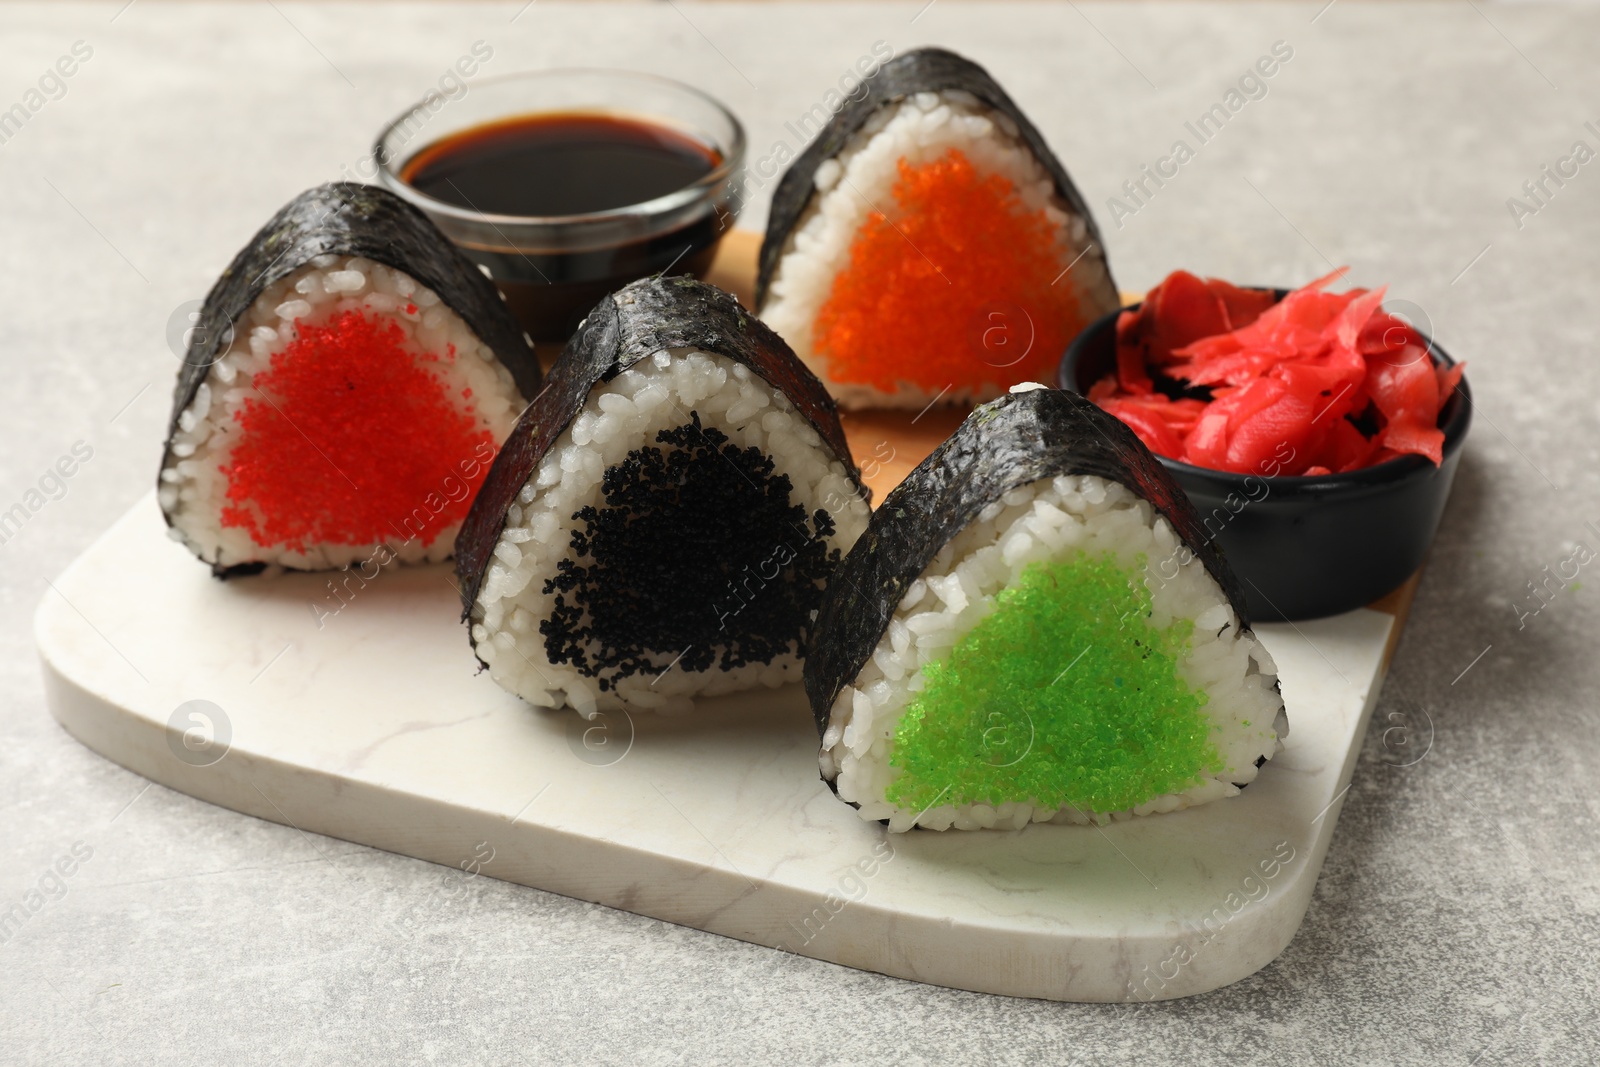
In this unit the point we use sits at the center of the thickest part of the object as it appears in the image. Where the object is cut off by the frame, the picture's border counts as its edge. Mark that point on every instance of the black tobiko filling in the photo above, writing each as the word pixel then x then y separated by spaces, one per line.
pixel 700 557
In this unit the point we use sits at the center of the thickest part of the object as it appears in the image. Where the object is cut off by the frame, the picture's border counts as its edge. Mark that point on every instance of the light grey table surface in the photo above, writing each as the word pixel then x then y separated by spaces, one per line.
pixel 1457 919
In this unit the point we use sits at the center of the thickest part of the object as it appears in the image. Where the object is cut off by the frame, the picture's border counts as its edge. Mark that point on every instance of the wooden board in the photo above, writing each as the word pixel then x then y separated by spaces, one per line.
pixel 373 725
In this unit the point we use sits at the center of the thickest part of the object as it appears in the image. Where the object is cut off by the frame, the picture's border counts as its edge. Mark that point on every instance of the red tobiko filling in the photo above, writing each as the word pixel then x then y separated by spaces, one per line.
pixel 1235 380
pixel 353 439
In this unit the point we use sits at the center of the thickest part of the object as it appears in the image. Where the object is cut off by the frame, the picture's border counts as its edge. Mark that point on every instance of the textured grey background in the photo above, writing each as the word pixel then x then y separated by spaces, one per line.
pixel 1458 915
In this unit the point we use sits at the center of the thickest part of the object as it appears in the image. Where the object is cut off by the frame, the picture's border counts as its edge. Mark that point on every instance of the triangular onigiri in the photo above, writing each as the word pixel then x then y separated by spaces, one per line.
pixel 1034 628
pixel 662 520
pixel 342 393
pixel 928 246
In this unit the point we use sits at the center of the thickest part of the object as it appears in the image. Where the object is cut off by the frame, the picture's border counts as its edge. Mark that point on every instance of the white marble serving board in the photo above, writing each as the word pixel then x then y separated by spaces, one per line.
pixel 377 728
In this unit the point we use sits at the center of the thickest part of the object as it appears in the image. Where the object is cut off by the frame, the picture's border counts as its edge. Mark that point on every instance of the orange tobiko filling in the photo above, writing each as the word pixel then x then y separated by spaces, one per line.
pixel 353 439
pixel 956 292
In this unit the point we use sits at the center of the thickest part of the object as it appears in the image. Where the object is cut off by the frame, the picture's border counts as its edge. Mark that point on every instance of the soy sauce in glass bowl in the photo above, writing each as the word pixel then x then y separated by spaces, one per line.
pixel 568 184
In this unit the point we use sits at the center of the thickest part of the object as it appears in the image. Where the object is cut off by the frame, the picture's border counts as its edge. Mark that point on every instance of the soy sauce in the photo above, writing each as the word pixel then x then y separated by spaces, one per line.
pixel 561 163
pixel 556 165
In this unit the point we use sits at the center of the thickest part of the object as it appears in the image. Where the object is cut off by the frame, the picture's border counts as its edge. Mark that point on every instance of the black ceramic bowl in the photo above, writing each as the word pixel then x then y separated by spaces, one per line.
pixel 1305 547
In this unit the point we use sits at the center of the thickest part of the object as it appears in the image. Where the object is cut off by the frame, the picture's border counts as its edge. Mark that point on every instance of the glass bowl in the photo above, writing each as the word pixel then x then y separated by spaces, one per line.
pixel 554 268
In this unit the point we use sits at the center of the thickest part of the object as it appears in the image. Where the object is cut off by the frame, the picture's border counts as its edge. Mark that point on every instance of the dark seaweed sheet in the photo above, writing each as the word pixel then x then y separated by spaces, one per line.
pixel 1010 442
pixel 921 70
pixel 349 219
pixel 634 323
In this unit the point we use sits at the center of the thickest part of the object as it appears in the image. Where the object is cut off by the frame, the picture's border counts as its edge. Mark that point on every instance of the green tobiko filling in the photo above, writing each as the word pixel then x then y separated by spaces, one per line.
pixel 1063 697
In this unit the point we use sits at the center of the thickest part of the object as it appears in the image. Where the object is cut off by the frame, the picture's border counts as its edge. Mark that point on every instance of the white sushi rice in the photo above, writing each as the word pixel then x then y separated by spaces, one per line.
pixel 193 489
pixel 619 416
pixel 920 129
pixel 1046 520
